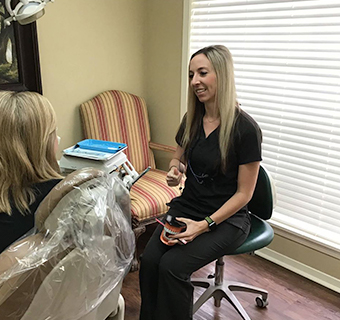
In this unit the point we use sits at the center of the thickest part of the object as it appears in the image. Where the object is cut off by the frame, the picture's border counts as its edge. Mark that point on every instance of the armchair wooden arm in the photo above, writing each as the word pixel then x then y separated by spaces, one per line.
pixel 161 147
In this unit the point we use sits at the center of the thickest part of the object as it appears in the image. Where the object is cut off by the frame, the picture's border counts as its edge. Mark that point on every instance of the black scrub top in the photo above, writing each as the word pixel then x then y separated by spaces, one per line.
pixel 14 226
pixel 206 187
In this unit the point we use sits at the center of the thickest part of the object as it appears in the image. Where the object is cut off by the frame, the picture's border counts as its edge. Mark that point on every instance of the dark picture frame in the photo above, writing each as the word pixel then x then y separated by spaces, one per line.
pixel 27 55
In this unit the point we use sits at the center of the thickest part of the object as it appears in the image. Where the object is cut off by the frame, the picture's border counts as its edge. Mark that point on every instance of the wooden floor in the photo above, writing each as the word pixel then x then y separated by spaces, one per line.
pixel 291 297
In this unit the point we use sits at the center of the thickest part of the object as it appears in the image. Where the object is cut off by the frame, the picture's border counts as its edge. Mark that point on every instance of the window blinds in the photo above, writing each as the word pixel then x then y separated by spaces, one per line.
pixel 287 68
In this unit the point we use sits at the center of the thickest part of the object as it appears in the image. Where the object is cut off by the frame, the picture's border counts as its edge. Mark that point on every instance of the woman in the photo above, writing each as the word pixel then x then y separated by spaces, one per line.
pixel 28 165
pixel 219 146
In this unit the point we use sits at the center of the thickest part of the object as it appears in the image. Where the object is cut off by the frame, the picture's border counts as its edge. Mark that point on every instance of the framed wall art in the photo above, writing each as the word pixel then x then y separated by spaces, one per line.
pixel 19 55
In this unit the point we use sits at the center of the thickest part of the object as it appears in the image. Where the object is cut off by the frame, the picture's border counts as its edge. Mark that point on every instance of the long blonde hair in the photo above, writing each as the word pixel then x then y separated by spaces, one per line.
pixel 226 101
pixel 27 140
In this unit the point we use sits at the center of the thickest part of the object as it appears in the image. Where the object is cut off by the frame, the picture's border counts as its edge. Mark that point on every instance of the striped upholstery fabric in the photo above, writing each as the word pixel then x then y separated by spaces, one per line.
pixel 122 117
pixel 150 194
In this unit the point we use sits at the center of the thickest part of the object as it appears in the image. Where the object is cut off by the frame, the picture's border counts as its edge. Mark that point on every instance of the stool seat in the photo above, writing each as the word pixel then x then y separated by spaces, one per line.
pixel 261 234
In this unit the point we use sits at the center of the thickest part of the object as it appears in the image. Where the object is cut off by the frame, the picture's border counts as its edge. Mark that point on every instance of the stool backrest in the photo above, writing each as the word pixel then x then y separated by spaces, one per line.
pixel 262 202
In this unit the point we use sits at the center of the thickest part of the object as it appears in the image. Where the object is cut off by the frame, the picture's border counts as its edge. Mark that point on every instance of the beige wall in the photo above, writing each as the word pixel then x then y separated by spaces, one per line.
pixel 163 41
pixel 306 255
pixel 87 47
pixel 132 45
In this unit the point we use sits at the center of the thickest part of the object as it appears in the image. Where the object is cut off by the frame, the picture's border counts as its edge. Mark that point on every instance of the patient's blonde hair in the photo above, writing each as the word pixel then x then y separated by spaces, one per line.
pixel 27 140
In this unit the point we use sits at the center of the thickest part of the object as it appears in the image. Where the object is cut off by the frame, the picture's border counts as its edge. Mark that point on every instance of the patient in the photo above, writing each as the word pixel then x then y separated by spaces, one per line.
pixel 28 165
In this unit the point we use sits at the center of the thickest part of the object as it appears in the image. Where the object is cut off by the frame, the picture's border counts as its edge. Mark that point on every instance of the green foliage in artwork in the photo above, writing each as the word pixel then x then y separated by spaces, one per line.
pixel 9 73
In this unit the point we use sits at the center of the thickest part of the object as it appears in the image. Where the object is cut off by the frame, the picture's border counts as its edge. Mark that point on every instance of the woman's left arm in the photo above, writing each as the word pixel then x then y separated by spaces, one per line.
pixel 246 182
pixel 247 177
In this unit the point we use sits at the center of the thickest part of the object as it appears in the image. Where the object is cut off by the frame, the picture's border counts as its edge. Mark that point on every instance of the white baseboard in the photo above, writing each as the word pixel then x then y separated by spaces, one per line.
pixel 300 268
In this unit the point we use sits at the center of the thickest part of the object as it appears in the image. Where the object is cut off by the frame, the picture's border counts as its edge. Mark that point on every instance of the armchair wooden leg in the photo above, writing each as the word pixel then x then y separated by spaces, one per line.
pixel 138 232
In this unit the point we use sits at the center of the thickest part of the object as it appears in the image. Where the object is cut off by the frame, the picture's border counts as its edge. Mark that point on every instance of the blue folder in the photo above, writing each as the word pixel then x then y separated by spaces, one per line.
pixel 101 145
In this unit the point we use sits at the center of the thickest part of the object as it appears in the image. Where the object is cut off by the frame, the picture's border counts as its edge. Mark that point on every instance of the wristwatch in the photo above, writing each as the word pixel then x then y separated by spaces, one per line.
pixel 211 223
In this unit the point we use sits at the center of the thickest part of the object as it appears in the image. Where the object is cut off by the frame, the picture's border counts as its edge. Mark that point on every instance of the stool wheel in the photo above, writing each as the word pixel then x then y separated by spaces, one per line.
pixel 260 302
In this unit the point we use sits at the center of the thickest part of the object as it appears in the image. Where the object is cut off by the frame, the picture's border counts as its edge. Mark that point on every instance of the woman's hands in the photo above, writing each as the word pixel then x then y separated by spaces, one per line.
pixel 194 229
pixel 174 177
pixel 176 168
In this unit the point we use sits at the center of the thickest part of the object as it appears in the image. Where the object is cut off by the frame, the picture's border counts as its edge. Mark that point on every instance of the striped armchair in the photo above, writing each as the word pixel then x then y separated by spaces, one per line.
pixel 122 117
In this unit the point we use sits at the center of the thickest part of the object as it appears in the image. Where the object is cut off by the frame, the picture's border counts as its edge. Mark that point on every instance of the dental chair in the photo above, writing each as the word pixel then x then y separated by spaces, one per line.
pixel 71 266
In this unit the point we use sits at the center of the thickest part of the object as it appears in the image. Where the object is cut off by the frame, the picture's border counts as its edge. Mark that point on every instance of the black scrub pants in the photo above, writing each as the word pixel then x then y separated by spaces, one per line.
pixel 166 290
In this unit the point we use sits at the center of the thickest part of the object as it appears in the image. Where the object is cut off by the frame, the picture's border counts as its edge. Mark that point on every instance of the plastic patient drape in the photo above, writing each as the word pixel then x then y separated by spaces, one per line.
pixel 78 253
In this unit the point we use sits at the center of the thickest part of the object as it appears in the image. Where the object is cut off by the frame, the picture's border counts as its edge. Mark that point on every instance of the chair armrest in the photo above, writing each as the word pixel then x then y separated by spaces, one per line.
pixel 162 147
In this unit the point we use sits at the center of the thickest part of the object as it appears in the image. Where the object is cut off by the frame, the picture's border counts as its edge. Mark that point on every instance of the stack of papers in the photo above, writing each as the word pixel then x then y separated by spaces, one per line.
pixel 95 149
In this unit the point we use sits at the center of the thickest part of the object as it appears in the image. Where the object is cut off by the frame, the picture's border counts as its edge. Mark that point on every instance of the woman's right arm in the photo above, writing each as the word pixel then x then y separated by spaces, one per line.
pixel 176 168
